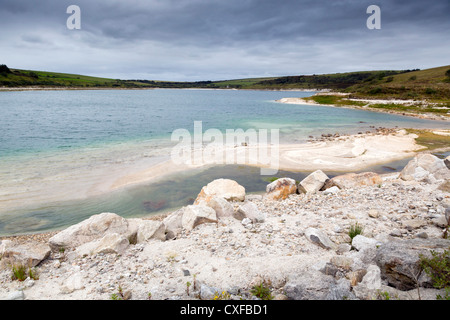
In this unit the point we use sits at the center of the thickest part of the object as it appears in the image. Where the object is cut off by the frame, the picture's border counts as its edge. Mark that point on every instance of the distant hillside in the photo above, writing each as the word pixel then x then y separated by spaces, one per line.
pixel 337 81
pixel 431 84
pixel 16 78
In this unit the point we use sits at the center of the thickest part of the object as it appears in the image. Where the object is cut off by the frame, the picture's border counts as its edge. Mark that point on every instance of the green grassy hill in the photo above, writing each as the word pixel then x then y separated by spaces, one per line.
pixel 431 84
pixel 25 78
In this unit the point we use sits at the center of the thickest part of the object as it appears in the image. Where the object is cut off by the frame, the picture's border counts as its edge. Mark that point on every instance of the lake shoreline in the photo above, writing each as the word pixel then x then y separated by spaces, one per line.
pixel 7 89
pixel 286 239
pixel 425 116
pixel 343 154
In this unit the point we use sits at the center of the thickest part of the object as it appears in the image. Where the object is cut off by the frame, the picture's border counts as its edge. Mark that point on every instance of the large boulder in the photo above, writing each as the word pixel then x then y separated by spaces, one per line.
pixel 353 180
pixel 196 215
pixel 280 189
pixel 222 207
pixel 425 167
pixel 93 228
pixel 27 254
pixel 146 230
pixel 228 189
pixel 187 218
pixel 109 243
pixel 313 182
pixel 370 284
pixel 172 224
pixel 399 261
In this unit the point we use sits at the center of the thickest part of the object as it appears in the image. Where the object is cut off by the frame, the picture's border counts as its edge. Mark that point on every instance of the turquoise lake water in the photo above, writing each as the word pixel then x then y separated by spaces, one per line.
pixel 55 146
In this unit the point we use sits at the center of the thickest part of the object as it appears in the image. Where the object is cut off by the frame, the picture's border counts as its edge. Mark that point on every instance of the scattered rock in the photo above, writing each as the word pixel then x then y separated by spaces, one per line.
pixel 16 295
pixel 425 167
pixel 341 290
pixel 147 229
pixel 93 228
pixel 110 243
pixel 332 190
pixel 250 210
pixel 354 180
pixel 278 241
pixel 228 189
pixel 309 286
pixel 195 215
pixel 173 225
pixel 320 238
pixel 399 260
pixel 360 242
pixel 222 207
pixel 280 189
pixel 27 254
pixel 373 213
pixel 72 283
pixel 208 293
pixel 370 284
pixel 313 182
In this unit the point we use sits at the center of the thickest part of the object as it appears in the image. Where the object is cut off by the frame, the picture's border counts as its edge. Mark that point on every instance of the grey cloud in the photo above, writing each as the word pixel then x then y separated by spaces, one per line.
pixel 211 39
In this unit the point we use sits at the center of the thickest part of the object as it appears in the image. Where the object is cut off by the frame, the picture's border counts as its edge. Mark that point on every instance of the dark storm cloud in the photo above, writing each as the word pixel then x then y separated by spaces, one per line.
pixel 210 39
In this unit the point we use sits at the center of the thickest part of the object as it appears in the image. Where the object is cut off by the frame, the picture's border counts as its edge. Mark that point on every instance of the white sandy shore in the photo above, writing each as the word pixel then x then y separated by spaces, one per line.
pixel 346 154
pixel 428 116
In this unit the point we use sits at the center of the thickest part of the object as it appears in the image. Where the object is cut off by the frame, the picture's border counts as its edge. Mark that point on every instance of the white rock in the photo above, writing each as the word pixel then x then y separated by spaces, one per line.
pixel 72 283
pixel 332 190
pixel 425 167
pixel 222 207
pixel 28 254
pixel 110 243
pixel 361 242
pixel 250 210
pixel 228 189
pixel 372 279
pixel 354 180
pixel 313 182
pixel 93 228
pixel 147 229
pixel 318 237
pixel 172 223
pixel 16 295
pixel 280 189
pixel 246 221
pixel 195 215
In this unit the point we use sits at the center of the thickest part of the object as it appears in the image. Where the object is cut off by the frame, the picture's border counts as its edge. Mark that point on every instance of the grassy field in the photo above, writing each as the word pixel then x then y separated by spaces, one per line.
pixel 26 78
pixel 414 107
pixel 431 84
pixel 430 140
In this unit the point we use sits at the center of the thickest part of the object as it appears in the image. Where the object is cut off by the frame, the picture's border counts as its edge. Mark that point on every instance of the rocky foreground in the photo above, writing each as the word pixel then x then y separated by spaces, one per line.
pixel 293 240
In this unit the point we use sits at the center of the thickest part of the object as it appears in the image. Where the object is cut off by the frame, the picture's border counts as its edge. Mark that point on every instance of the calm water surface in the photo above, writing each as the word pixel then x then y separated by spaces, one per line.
pixel 61 143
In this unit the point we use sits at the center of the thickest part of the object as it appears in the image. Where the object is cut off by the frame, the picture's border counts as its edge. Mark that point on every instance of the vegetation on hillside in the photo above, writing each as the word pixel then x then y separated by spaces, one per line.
pixel 13 78
pixel 429 85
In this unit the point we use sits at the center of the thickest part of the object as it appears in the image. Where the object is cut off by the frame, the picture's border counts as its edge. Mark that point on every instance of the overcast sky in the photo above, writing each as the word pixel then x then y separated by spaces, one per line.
pixel 189 40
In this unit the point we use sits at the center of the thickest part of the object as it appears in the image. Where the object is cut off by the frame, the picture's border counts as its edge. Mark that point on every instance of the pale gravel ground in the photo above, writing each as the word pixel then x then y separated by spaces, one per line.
pixel 229 256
